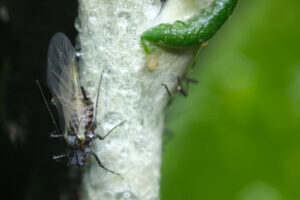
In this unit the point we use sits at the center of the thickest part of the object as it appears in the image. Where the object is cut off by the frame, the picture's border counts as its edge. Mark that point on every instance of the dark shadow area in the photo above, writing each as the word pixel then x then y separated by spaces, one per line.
pixel 25 125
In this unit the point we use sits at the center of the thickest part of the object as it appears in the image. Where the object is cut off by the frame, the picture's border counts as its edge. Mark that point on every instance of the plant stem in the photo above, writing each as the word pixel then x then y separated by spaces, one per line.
pixel 110 46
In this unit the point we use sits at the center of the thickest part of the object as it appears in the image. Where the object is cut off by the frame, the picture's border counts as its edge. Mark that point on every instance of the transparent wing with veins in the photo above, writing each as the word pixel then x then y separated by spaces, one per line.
pixel 62 78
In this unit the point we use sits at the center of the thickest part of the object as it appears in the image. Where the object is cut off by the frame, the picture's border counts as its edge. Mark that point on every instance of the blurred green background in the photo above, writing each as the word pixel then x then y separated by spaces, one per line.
pixel 237 134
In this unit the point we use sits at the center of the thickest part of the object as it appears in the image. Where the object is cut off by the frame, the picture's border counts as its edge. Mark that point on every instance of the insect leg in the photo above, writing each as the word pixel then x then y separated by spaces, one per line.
pixel 101 165
pixel 180 88
pixel 190 80
pixel 84 94
pixel 56 136
pixel 169 94
pixel 103 137
pixel 167 89
pixel 58 157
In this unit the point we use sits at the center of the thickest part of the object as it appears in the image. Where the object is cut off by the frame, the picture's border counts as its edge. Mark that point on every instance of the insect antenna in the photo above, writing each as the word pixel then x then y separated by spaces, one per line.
pixel 48 108
pixel 97 100
pixel 60 135
pixel 111 130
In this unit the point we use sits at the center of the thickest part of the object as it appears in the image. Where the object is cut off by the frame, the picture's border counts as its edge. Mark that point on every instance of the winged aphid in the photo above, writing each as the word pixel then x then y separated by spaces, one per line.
pixel 76 110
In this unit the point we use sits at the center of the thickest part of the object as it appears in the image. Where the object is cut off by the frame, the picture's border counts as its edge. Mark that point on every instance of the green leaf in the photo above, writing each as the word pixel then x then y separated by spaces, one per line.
pixel 195 31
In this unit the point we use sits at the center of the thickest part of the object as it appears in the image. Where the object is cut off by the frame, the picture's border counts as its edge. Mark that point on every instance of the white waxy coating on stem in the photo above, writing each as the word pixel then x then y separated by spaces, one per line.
pixel 109 36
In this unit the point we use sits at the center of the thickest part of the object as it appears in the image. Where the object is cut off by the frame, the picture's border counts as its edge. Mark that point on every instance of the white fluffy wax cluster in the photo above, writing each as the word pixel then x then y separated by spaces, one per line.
pixel 109 44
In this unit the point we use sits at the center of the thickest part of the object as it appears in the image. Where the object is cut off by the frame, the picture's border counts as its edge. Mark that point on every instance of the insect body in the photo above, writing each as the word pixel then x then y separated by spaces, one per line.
pixel 75 108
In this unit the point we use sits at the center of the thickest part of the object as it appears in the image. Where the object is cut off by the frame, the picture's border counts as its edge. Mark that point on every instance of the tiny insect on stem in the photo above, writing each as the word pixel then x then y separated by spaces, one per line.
pixel 180 87
pixel 76 110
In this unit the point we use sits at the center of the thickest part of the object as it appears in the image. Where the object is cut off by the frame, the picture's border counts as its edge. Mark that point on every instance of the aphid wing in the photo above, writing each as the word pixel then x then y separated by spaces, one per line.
pixel 62 78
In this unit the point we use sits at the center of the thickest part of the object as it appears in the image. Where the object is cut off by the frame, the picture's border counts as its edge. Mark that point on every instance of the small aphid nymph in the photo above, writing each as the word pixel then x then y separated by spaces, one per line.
pixel 151 62
pixel 76 110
